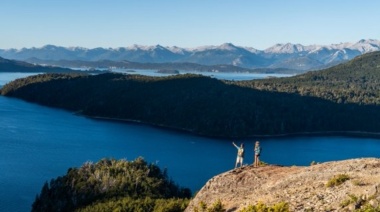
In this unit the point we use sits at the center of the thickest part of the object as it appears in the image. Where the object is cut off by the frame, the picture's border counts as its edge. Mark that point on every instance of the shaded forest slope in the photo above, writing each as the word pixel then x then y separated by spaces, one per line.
pixel 357 81
pixel 194 103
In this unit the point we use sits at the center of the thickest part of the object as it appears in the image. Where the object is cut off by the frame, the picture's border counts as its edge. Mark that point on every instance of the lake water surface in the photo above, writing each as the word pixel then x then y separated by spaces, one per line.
pixel 218 75
pixel 38 143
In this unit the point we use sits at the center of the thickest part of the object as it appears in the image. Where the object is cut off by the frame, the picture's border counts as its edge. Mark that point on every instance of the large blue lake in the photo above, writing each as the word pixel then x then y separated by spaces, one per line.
pixel 38 143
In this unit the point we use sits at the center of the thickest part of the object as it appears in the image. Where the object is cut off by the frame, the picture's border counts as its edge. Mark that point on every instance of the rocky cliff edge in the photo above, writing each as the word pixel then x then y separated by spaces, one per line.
pixel 303 188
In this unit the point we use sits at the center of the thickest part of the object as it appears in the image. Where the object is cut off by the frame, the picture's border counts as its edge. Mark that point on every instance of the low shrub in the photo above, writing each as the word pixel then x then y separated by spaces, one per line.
pixel 217 206
pixel 313 163
pixel 337 180
pixel 261 207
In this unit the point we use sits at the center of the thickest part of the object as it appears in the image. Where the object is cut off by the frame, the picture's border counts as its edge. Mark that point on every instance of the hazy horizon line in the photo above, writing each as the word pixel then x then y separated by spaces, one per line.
pixel 189 48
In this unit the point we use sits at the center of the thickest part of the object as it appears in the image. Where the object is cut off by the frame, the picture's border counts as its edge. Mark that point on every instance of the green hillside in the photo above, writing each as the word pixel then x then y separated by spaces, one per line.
pixel 195 103
pixel 357 81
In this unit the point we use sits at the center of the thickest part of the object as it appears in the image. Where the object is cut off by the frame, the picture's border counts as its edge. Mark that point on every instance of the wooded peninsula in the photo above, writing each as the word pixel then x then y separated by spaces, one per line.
pixel 344 98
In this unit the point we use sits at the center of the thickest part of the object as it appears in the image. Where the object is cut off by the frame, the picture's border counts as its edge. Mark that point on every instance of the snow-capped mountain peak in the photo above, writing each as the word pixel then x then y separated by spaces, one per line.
pixel 286 55
pixel 252 50
pixel 227 46
pixel 287 48
pixel 177 50
pixel 136 47
pixel 365 46
pixel 76 48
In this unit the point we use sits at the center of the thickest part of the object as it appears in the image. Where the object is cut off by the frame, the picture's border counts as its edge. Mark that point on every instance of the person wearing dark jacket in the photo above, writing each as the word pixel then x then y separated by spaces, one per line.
pixel 257 151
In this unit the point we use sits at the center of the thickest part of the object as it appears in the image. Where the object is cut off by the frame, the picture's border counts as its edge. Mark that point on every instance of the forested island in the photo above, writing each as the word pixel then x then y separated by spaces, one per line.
pixel 344 98
pixel 168 71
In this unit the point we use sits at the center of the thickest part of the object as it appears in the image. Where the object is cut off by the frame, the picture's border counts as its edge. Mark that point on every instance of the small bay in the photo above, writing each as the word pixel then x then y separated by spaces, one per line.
pixel 38 143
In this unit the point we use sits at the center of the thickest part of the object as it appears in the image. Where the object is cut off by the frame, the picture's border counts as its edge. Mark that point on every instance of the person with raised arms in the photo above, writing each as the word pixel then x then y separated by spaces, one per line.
pixel 240 154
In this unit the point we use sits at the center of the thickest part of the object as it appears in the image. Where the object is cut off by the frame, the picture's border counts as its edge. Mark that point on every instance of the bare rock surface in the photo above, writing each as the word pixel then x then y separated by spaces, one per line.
pixel 303 188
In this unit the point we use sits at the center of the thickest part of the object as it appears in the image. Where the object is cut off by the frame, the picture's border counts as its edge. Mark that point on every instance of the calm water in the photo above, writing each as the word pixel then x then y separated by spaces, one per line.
pixel 39 143
pixel 218 75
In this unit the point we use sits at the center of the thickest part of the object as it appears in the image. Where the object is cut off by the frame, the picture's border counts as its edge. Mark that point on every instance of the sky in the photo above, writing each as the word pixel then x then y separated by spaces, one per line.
pixel 185 23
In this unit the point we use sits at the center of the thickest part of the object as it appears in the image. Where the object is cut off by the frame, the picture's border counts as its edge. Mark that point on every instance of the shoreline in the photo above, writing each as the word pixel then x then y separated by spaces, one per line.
pixel 285 135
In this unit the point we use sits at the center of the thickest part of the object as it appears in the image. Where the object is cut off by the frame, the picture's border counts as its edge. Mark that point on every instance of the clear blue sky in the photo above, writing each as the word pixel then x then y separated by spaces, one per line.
pixel 185 23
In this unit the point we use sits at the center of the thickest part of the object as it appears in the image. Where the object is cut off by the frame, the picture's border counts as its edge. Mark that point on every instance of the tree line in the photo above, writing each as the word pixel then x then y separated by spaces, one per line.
pixel 112 185
pixel 200 104
pixel 357 81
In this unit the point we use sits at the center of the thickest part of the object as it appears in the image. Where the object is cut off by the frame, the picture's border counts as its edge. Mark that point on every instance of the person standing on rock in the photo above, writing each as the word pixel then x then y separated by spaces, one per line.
pixel 240 154
pixel 257 151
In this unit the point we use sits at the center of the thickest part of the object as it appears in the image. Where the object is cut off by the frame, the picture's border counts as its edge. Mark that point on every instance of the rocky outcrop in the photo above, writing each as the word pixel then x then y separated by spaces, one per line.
pixel 303 188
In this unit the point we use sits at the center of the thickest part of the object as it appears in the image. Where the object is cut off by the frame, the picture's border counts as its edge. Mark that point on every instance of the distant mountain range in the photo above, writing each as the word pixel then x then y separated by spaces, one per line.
pixel 285 56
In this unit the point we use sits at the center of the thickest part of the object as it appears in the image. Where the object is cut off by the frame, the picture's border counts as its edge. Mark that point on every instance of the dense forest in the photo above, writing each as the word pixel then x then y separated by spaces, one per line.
pixel 211 107
pixel 113 185
pixel 357 81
